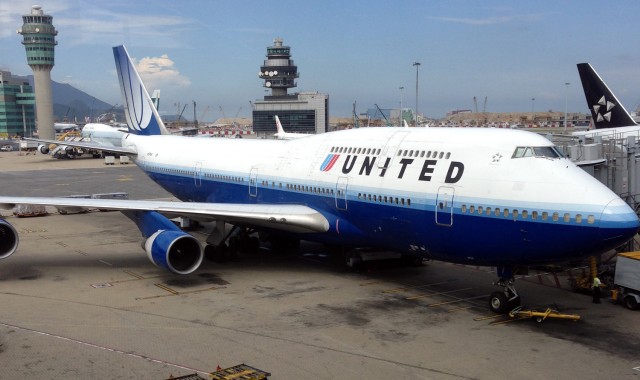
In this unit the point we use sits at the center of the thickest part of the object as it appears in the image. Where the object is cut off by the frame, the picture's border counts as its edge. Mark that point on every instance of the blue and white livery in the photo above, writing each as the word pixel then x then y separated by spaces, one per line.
pixel 493 197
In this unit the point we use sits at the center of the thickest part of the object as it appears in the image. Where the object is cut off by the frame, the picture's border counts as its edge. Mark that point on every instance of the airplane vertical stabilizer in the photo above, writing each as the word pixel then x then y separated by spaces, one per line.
pixel 606 109
pixel 140 113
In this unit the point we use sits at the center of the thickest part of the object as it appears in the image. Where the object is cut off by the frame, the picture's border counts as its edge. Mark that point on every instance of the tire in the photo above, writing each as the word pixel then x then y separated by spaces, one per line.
pixel 498 303
pixel 630 302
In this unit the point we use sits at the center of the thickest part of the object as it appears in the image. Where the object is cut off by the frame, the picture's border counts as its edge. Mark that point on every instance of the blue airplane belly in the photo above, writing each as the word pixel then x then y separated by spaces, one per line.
pixel 462 238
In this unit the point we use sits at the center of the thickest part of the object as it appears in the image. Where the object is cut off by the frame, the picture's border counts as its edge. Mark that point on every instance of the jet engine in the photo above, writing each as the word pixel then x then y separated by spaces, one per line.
pixel 8 239
pixel 43 148
pixel 175 251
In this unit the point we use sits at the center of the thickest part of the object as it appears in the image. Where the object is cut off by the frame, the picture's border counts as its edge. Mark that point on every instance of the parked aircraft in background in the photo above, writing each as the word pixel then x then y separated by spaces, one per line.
pixel 609 116
pixel 491 197
pixel 282 135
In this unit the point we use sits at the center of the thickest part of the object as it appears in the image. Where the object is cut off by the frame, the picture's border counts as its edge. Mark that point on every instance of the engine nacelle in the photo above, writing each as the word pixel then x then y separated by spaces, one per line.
pixel 8 239
pixel 43 148
pixel 175 251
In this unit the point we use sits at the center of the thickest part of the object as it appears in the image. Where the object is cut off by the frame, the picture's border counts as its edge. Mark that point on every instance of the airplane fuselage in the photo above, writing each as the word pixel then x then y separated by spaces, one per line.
pixel 463 196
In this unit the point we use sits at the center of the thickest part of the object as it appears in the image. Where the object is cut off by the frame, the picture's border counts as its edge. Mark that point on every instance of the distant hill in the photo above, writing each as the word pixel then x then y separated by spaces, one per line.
pixel 73 104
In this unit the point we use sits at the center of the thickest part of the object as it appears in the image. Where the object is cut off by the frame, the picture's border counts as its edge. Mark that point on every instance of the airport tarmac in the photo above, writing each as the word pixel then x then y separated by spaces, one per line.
pixel 81 300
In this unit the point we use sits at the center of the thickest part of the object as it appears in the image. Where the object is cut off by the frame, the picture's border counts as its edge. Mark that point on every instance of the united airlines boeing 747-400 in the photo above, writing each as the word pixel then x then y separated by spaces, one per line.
pixel 490 197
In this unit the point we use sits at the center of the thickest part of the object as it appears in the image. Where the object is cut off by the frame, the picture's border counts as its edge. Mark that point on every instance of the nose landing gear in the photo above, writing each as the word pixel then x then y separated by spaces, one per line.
pixel 508 299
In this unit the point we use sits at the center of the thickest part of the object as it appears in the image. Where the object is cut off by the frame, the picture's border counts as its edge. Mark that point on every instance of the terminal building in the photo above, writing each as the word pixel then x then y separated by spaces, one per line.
pixel 17 106
pixel 303 112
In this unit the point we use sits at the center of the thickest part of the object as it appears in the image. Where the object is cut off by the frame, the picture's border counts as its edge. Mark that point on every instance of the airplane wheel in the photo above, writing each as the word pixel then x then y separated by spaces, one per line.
pixel 498 303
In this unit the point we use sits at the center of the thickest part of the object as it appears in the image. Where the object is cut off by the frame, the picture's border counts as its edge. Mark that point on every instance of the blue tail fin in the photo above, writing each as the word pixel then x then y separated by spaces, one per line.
pixel 142 117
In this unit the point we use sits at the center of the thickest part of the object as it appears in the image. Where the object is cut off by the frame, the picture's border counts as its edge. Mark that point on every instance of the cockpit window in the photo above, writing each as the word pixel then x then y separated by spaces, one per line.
pixel 536 151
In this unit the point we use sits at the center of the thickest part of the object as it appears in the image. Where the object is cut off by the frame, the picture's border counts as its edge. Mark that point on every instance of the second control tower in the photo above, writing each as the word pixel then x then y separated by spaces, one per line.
pixel 39 42
pixel 278 70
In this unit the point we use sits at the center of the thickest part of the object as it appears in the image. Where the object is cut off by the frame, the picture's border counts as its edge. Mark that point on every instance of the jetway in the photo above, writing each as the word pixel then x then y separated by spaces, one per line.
pixel 610 158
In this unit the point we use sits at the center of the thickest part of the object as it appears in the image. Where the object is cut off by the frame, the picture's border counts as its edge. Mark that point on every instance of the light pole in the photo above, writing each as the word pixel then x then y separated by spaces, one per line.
pixel 565 105
pixel 533 114
pixel 417 65
pixel 401 123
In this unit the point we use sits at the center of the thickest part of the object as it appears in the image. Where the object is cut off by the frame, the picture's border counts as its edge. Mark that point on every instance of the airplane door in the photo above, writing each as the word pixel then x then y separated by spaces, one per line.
pixel 390 148
pixel 197 174
pixel 444 206
pixel 253 182
pixel 341 193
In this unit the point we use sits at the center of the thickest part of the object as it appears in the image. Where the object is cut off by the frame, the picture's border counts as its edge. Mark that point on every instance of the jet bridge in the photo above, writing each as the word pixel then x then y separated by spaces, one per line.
pixel 610 158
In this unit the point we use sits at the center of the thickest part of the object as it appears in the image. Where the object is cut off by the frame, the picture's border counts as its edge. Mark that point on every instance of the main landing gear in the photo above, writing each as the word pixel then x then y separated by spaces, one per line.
pixel 224 247
pixel 508 299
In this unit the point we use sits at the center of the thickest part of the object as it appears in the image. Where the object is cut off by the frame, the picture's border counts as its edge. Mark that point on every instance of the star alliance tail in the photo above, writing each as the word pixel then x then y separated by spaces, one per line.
pixel 606 109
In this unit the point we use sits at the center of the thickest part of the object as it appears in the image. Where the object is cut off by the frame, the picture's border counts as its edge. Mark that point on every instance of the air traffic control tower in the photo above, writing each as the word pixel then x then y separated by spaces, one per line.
pixel 39 42
pixel 303 112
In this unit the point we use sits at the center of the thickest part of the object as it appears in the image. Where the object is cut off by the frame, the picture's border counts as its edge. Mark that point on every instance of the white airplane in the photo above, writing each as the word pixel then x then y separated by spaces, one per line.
pixel 99 133
pixel 282 135
pixel 490 197
pixel 610 117
pixel 104 134
pixel 65 127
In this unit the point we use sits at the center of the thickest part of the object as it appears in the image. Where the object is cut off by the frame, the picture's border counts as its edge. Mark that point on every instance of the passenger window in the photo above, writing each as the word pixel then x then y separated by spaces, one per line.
pixel 497 212
pixel 448 155
pixel 463 208
pixel 567 218
pixel 525 214
pixel 545 215
pixel 479 210
pixel 472 209
pixel 534 215
pixel 506 213
pixel 591 219
pixel 515 214
pixel 555 217
pixel 578 218
pixel 488 211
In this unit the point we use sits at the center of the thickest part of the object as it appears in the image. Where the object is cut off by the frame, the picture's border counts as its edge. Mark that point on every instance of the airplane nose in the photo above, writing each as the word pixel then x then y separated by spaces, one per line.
pixel 618 223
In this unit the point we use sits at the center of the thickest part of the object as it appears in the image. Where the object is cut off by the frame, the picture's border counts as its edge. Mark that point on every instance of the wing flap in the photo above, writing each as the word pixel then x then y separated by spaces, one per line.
pixel 291 218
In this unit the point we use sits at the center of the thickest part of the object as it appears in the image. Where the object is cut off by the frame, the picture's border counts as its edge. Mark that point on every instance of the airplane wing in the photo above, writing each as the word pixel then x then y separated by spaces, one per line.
pixel 87 145
pixel 290 218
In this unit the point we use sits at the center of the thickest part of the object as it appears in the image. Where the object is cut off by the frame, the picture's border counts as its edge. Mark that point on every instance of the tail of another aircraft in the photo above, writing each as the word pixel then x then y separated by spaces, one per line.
pixel 606 109
pixel 142 117
pixel 279 128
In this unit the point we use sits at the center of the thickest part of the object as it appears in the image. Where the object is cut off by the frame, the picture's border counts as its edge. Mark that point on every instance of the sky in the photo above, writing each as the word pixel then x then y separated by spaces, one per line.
pixel 516 54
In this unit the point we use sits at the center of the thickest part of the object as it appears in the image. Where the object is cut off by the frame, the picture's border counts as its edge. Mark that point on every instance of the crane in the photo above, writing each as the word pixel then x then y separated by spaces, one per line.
pixel 195 120
pixel 181 112
pixel 385 118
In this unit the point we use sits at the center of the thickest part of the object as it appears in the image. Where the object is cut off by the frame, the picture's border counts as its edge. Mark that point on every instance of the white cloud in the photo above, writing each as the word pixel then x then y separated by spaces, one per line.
pixel 160 73
pixel 476 21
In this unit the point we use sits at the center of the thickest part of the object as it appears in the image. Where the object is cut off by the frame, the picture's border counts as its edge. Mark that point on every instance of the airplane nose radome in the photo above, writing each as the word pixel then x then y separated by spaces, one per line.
pixel 618 223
